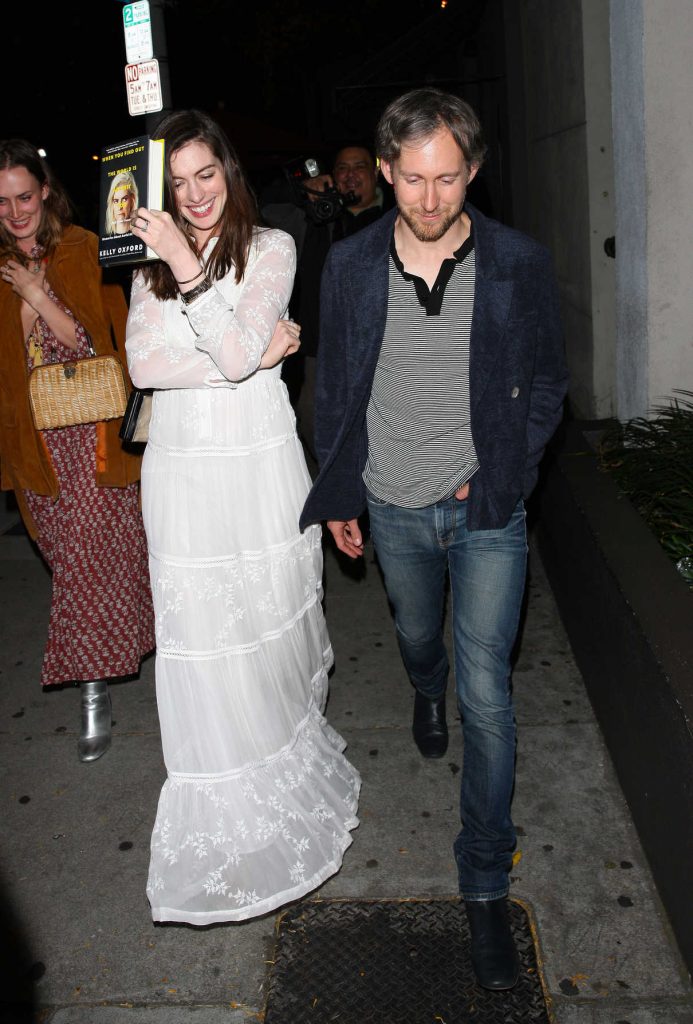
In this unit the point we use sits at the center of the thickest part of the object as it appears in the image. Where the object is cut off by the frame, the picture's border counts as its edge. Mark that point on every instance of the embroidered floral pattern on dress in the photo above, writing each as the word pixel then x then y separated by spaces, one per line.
pixel 232 592
pixel 222 335
pixel 268 814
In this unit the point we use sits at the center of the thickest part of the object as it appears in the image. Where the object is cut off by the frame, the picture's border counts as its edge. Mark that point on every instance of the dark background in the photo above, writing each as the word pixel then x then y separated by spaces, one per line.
pixel 285 78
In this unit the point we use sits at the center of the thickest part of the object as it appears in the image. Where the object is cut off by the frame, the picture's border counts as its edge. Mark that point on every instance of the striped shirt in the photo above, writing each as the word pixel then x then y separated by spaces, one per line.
pixel 420 447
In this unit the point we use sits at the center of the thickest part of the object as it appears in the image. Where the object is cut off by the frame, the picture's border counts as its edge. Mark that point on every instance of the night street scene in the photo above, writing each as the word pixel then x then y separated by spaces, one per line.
pixel 346 525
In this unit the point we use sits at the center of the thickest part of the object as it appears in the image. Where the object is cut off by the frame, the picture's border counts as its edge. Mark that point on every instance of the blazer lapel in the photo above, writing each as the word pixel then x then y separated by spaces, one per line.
pixel 369 286
pixel 492 298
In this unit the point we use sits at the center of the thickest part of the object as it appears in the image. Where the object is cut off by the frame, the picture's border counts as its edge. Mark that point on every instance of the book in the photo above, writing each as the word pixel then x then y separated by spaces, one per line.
pixel 132 175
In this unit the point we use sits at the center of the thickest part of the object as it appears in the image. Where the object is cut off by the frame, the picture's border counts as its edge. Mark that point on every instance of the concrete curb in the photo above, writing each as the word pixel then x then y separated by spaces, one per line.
pixel 629 618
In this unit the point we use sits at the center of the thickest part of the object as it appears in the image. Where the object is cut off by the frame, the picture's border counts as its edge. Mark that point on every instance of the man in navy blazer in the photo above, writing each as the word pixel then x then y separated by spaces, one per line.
pixel 441 377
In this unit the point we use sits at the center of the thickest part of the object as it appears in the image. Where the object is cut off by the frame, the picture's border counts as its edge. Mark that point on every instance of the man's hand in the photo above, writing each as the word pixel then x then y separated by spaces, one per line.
pixel 347 536
pixel 317 185
pixel 462 492
pixel 284 342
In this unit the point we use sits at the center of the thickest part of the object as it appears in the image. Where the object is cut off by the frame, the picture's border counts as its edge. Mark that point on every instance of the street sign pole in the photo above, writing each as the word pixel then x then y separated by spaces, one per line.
pixel 147 69
pixel 161 53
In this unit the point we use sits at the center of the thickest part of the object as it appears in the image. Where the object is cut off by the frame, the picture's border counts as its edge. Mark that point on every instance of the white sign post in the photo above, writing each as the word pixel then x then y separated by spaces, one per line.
pixel 143 87
pixel 137 25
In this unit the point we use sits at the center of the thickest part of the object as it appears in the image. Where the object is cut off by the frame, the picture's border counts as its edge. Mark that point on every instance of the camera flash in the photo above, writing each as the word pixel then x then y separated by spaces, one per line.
pixel 312 167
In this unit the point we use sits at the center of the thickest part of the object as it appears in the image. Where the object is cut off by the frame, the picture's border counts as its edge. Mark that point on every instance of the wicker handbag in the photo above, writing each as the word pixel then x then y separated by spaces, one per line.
pixel 78 391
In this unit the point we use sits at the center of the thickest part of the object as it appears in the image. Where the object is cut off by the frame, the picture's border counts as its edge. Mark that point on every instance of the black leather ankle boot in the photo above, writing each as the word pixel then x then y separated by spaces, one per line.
pixel 430 727
pixel 494 956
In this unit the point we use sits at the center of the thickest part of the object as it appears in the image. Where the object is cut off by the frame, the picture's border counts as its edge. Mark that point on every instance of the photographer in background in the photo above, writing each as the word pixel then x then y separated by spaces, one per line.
pixel 355 173
pixel 322 208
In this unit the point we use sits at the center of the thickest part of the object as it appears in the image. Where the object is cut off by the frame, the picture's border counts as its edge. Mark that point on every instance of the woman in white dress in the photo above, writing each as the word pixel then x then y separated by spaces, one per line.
pixel 259 801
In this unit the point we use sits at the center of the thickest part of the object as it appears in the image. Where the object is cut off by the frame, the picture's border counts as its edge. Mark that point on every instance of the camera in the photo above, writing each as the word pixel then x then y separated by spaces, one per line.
pixel 321 206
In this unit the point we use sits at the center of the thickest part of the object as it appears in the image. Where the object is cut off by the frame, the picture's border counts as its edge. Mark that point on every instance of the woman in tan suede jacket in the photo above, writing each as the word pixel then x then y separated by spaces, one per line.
pixel 75 486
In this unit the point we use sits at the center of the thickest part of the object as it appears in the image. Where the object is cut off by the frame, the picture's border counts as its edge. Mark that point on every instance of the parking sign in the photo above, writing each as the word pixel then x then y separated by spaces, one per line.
pixel 143 87
pixel 137 25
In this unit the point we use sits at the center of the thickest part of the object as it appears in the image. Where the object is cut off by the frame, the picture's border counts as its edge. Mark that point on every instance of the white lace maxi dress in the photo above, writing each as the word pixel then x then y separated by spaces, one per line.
pixel 259 800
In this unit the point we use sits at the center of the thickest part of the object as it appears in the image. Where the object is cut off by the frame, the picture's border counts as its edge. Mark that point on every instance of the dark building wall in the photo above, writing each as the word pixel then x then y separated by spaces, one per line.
pixel 559 111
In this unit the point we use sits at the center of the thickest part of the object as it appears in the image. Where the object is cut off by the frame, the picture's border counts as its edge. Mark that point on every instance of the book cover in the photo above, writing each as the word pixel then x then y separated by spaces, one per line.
pixel 132 175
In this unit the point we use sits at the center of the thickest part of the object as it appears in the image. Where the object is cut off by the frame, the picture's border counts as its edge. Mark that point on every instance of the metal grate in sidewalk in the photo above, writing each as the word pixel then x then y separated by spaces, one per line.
pixel 394 962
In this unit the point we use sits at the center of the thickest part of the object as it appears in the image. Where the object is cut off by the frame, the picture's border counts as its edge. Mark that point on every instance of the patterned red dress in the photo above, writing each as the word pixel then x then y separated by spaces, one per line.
pixel 102 621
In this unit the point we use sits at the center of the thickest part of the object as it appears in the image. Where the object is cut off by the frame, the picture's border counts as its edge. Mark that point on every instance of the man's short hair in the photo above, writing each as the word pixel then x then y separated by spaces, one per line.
pixel 419 114
pixel 356 145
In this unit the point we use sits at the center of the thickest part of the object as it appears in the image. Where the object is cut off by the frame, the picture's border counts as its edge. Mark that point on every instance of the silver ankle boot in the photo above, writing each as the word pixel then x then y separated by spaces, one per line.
pixel 95 738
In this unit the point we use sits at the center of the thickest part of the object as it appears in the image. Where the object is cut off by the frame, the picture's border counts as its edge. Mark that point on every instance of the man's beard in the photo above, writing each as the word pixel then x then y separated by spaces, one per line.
pixel 430 232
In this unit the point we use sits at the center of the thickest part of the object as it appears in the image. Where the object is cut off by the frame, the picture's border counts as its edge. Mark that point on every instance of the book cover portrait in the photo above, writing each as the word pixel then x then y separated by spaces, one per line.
pixel 131 176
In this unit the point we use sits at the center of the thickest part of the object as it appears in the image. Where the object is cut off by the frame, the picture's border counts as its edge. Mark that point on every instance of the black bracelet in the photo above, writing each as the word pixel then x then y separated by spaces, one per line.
pixel 190 278
pixel 195 292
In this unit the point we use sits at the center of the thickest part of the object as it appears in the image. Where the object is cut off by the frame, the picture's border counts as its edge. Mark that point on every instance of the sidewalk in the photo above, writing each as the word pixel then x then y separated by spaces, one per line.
pixel 75 844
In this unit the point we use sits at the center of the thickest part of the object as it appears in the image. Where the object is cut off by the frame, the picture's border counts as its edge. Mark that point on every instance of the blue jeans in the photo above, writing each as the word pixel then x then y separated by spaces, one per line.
pixel 416 548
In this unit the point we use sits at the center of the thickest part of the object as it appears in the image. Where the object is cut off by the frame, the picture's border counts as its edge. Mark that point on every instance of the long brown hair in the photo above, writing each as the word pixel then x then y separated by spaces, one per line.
pixel 238 218
pixel 57 208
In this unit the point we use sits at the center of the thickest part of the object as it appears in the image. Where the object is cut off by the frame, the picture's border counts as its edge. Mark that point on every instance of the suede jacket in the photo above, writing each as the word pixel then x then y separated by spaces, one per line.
pixel 517 373
pixel 74 274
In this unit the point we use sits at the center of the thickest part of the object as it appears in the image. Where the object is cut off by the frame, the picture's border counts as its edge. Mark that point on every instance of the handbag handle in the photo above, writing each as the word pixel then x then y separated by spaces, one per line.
pixel 70 367
pixel 39 332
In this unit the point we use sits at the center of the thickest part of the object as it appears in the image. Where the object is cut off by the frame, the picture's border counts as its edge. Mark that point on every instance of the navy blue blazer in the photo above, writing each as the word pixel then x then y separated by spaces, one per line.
pixel 517 372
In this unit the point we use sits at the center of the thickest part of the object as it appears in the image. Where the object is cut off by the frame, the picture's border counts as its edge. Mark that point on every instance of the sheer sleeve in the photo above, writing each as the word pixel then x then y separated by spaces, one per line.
pixel 151 362
pixel 237 338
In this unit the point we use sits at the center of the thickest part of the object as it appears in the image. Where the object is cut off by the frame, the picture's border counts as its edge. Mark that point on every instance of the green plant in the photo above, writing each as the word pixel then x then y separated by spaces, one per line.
pixel 652 462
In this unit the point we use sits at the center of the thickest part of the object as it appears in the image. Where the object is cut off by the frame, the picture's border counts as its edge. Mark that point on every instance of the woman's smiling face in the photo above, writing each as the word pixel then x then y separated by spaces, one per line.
pixel 21 205
pixel 199 186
